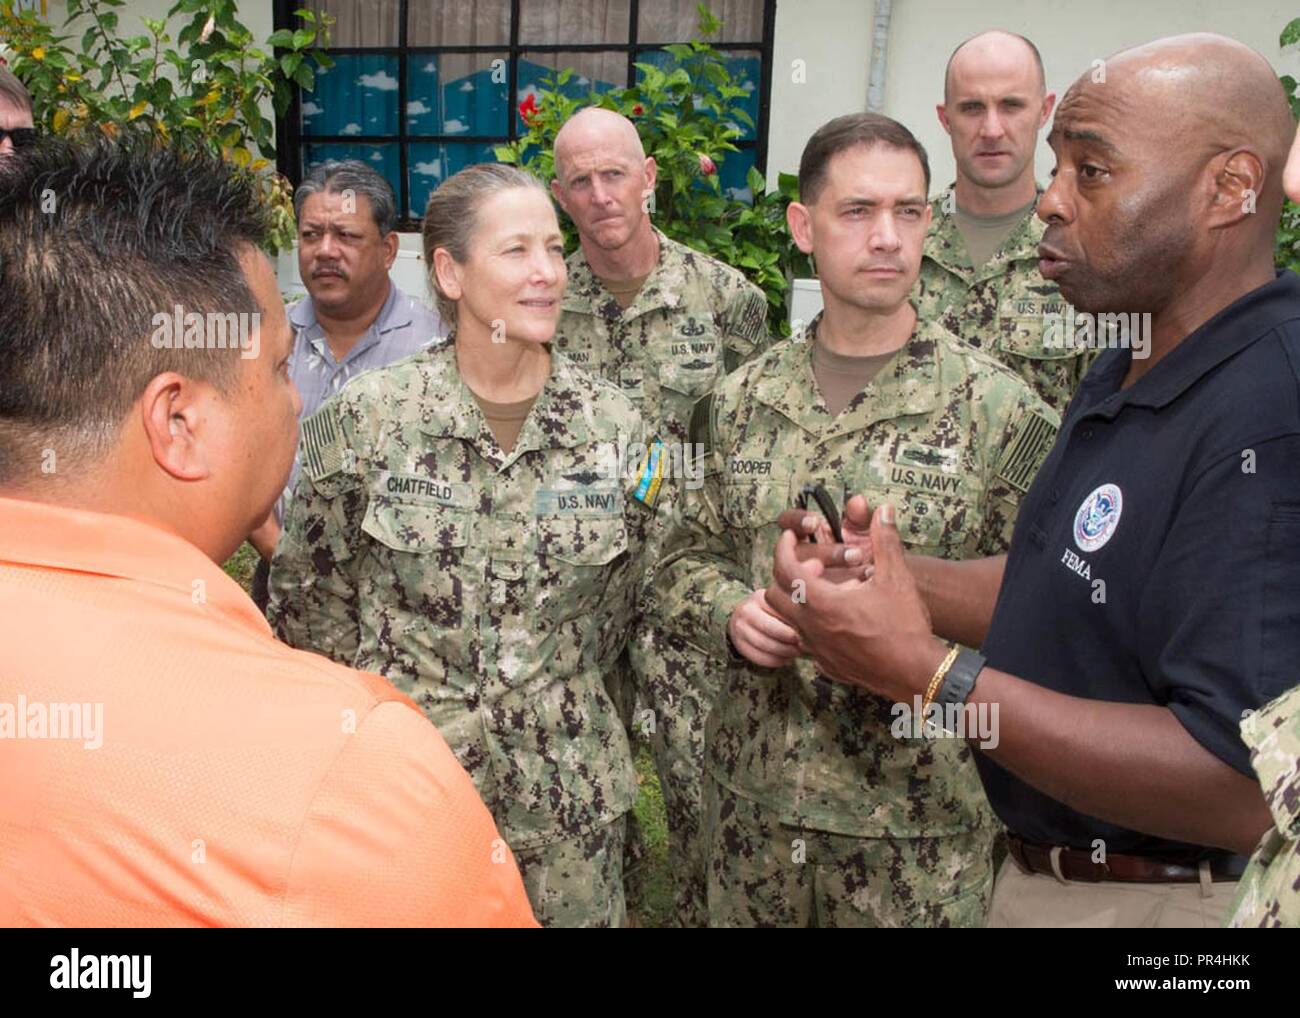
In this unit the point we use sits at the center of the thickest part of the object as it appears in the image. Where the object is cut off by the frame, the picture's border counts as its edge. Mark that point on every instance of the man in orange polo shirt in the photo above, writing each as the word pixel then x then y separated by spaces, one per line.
pixel 165 760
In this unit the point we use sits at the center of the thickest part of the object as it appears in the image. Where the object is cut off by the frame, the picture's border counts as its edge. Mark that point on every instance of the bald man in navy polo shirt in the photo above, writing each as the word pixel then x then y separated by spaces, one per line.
pixel 1151 595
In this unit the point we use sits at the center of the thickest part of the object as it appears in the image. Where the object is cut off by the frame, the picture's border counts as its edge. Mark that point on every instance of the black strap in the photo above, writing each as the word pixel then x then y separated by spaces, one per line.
pixel 701 430
pixel 961 677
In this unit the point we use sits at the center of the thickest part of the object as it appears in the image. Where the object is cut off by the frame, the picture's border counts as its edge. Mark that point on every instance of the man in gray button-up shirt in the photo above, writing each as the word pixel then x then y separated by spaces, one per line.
pixel 354 317
pixel 404 326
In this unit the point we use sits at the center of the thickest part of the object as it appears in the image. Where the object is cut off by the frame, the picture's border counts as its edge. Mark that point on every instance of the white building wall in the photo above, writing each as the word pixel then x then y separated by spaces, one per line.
pixel 833 37
pixel 822 52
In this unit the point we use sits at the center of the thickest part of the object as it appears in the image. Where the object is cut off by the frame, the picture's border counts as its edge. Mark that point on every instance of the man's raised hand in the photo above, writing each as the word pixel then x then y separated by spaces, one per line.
pixel 865 631
pixel 842 561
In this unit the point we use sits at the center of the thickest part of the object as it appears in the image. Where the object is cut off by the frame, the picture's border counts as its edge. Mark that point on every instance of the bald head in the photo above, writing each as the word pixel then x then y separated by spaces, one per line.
pixel 995 51
pixel 1168 185
pixel 595 129
pixel 1196 96
pixel 604 181
pixel 995 103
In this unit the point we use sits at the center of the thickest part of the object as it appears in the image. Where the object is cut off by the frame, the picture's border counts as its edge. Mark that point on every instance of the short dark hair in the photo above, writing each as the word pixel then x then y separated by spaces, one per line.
pixel 846 132
pixel 13 91
pixel 96 238
pixel 338 176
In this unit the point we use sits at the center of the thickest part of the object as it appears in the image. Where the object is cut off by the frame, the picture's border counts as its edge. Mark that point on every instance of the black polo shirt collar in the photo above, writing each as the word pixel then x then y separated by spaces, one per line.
pixel 1253 316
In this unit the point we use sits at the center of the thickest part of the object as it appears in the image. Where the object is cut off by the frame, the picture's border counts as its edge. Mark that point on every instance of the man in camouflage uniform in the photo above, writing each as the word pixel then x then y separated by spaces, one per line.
pixel 979 275
pixel 1269 891
pixel 496 589
pixel 664 323
pixel 816 812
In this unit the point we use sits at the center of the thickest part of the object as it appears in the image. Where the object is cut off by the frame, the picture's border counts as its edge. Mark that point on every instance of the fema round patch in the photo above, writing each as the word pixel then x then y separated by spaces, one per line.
pixel 1098 517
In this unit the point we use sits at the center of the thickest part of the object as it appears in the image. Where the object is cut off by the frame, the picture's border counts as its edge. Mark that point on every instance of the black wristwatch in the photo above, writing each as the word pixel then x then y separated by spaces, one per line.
pixel 960 680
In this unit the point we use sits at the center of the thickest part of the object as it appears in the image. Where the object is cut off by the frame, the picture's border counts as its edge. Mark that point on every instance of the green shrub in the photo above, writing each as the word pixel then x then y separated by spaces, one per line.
pixel 209 91
pixel 687 119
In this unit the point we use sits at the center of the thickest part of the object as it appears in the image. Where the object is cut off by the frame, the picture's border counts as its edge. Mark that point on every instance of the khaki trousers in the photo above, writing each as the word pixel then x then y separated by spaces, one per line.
pixel 1039 900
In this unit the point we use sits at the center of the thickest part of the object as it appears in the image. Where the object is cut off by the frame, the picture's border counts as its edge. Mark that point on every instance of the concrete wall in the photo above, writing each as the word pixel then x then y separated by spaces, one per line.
pixel 822 53
pixel 833 38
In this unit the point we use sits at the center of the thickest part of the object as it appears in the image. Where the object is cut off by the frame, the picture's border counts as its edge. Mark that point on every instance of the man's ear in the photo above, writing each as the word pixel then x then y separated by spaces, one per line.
pixel 558 193
pixel 651 172
pixel 1049 104
pixel 390 245
pixel 173 417
pixel 799 218
pixel 942 111
pixel 1238 180
pixel 447 272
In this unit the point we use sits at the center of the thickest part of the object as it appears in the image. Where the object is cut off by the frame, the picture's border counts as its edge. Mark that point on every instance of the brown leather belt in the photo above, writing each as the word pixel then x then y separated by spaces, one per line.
pixel 1077 864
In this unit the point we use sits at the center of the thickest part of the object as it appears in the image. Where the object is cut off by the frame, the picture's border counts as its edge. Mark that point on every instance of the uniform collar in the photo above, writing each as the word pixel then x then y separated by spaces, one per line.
pixel 587 295
pixel 1233 329
pixel 909 384
pixel 56 537
pixel 561 417
pixel 944 245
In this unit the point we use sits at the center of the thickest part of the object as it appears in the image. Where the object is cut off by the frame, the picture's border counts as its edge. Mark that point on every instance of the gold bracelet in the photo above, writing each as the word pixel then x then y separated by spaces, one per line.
pixel 932 689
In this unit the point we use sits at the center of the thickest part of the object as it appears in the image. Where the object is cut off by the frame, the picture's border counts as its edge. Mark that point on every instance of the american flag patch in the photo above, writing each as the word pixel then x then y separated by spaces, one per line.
pixel 1026 451
pixel 322 444
pixel 750 318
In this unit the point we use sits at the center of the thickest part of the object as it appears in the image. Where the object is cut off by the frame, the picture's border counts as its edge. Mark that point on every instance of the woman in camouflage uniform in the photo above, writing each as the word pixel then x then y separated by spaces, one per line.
pixel 465 526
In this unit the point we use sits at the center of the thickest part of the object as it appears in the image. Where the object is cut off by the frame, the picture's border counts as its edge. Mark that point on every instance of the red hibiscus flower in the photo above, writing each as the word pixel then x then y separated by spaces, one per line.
pixel 528 109
pixel 706 165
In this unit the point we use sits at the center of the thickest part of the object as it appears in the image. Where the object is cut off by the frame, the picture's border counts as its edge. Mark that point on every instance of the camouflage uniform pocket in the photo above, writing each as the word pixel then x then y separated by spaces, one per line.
pixel 1025 331
pixel 689 362
pixel 577 555
pixel 420 550
pixel 929 523
pixel 687 380
pixel 751 505
pixel 753 508
pixel 416 527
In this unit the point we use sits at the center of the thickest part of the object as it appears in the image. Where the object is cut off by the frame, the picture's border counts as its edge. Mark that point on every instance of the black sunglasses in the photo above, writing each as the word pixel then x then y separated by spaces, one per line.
pixel 21 136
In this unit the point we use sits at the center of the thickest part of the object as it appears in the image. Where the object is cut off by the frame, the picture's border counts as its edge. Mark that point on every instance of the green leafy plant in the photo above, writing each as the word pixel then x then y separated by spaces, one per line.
pixel 688 118
pixel 210 88
pixel 1287 251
